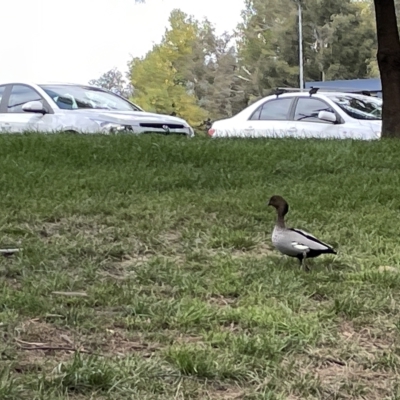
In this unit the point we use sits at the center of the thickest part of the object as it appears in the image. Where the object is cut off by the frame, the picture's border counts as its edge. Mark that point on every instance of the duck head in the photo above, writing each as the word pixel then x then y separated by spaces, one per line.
pixel 280 204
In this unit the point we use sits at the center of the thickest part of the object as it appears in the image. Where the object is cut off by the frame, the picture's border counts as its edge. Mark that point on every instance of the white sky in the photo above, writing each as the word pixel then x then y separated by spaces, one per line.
pixel 78 40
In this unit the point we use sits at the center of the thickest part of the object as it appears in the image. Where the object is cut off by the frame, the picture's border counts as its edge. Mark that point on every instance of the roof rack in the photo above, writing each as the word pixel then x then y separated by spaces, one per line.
pixel 280 90
pixel 312 90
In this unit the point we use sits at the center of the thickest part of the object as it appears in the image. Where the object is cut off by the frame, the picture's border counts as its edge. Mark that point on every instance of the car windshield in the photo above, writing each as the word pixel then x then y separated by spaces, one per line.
pixel 74 97
pixel 359 106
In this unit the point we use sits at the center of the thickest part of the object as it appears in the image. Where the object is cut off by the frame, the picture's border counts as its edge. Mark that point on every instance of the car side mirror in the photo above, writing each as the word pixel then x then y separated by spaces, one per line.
pixel 34 107
pixel 327 116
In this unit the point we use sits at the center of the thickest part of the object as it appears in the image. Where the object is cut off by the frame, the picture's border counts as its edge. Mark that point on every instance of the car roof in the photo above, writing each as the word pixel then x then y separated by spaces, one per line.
pixel 320 92
pixel 30 83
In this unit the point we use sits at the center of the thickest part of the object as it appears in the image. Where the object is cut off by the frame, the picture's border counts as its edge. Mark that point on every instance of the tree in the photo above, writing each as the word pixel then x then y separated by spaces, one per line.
pixel 397 9
pixel 338 39
pixel 388 56
pixel 214 69
pixel 113 80
pixel 161 77
pixel 192 73
pixel 267 43
pixel 337 42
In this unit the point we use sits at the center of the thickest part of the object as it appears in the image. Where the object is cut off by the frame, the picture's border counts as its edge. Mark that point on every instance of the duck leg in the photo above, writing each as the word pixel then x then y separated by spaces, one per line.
pixel 303 261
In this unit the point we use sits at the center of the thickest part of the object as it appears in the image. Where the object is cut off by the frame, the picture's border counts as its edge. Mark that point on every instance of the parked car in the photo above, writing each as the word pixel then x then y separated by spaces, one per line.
pixel 78 108
pixel 303 114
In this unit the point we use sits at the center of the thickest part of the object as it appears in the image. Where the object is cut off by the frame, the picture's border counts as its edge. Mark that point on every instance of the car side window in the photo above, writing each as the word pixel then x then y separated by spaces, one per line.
pixel 21 94
pixel 2 90
pixel 307 110
pixel 276 109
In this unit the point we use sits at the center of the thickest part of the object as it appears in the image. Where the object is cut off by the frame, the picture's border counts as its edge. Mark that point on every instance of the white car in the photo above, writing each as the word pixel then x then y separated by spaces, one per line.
pixel 55 107
pixel 318 114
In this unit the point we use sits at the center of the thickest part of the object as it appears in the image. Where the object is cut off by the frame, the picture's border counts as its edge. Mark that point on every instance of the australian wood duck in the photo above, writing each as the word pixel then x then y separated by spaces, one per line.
pixel 295 242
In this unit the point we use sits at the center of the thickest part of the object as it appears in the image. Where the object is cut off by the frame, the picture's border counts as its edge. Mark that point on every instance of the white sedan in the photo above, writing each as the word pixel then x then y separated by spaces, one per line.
pixel 317 114
pixel 56 107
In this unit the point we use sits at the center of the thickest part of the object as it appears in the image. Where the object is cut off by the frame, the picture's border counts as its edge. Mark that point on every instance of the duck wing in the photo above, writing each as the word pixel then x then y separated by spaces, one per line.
pixel 304 241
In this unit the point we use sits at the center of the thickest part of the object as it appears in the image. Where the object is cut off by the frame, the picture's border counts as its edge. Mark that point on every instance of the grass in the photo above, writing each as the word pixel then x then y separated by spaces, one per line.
pixel 149 258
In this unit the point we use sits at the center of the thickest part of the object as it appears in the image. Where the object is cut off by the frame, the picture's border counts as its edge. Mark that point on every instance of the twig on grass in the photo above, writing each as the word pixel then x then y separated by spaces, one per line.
pixel 82 294
pixel 43 346
pixel 334 361
pixel 60 348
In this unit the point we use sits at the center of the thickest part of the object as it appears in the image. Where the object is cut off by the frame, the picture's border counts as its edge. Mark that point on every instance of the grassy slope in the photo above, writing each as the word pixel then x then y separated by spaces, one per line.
pixel 169 238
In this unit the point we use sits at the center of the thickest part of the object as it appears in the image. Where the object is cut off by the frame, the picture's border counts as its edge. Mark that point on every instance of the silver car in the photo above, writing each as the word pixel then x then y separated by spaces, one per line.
pixel 65 107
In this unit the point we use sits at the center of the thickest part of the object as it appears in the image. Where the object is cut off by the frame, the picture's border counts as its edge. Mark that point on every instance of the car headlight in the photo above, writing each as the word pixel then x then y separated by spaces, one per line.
pixel 109 127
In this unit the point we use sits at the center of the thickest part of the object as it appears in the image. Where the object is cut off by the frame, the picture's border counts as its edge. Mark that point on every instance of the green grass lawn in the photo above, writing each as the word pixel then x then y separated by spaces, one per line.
pixel 151 258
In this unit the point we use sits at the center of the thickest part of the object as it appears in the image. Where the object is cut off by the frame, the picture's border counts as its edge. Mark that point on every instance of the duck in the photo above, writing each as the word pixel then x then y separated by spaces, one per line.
pixel 294 242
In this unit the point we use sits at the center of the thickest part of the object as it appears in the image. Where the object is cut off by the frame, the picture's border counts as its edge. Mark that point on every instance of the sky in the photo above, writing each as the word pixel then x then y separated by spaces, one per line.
pixel 79 40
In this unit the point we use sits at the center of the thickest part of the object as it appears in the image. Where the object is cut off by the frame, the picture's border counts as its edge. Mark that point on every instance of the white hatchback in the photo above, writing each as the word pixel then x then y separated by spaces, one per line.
pixel 56 107
pixel 336 115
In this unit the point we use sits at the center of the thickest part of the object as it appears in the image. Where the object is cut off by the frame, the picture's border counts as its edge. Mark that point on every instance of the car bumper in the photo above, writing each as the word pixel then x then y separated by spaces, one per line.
pixel 138 129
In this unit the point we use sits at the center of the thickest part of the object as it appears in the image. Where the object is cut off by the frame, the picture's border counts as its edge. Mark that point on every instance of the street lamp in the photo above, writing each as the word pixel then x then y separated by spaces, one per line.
pixel 301 73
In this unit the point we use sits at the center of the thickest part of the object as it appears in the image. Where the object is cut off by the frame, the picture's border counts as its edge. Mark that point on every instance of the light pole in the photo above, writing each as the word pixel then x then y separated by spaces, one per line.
pixel 301 73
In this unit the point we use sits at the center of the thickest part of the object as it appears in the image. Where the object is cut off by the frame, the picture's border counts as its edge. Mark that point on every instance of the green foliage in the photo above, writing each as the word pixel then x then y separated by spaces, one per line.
pixel 216 83
pixel 337 40
pixel 113 80
pixel 340 40
pixel 267 45
pixel 197 74
pixel 159 78
pixel 191 72
pixel 168 242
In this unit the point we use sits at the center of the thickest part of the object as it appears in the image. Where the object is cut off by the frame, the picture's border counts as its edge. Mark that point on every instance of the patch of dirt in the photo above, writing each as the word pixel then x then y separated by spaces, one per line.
pixel 40 344
pixel 370 339
pixel 232 327
pixel 388 268
pixel 35 334
pixel 353 378
pixel 13 283
pixel 38 340
pixel 339 379
pixel 171 237
pixel 224 392
pixel 170 240
pixel 116 342
pixel 89 230
pixel 139 258
pixel 121 270
pixel 354 368
pixel 261 250
pixel 93 396
pixel 319 297
pixel 222 301
pixel 182 338
pixel 32 362
pixel 78 225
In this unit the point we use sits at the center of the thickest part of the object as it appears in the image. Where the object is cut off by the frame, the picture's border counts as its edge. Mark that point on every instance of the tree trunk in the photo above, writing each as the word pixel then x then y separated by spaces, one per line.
pixel 389 65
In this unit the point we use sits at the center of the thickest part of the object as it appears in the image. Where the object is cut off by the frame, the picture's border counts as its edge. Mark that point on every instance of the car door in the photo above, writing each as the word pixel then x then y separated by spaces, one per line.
pixel 270 119
pixel 306 123
pixel 14 119
pixel 3 107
